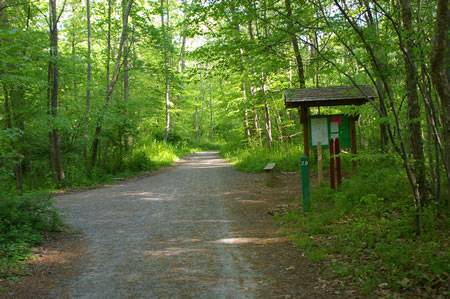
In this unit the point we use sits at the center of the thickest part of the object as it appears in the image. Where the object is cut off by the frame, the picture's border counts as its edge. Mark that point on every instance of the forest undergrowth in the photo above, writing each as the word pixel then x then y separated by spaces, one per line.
pixel 365 232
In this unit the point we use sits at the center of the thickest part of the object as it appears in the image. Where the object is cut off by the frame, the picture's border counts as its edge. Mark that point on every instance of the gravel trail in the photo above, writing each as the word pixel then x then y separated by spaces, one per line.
pixel 193 231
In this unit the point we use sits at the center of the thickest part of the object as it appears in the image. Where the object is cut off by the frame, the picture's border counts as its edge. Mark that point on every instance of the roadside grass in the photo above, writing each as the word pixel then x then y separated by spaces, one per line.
pixel 148 154
pixel 254 159
pixel 23 219
pixel 366 233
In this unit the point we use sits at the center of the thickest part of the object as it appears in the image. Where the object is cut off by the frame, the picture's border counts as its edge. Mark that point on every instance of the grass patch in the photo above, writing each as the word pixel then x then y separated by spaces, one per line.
pixel 368 231
pixel 23 219
pixel 255 158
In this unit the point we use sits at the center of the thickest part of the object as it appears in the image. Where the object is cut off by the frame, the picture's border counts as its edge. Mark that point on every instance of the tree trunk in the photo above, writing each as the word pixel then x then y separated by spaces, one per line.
pixel 182 58
pixel 13 98
pixel 110 89
pixel 399 147
pixel 247 126
pixel 243 86
pixel 257 126
pixel 415 131
pixel 108 46
pixel 17 167
pixel 440 72
pixel 54 85
pixel 211 113
pixel 267 122
pixel 379 84
pixel 196 121
pixel 126 83
pixel 298 56
pixel 246 122
pixel 166 70
pixel 7 110
pixel 268 125
pixel 88 82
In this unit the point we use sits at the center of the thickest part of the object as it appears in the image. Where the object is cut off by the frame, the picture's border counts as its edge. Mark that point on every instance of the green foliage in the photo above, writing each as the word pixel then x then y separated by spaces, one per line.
pixel 255 158
pixel 243 61
pixel 152 154
pixel 367 228
pixel 8 155
pixel 23 219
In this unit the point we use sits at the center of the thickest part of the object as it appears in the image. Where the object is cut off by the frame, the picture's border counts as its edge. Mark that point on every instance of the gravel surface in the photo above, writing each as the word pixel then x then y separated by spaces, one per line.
pixel 199 229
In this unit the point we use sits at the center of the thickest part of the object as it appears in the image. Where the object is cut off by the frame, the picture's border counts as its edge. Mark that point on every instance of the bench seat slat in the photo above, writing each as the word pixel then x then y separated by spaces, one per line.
pixel 270 166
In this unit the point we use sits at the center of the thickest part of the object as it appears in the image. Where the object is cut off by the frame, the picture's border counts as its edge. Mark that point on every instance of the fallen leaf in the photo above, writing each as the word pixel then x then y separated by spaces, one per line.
pixel 404 282
pixel 383 285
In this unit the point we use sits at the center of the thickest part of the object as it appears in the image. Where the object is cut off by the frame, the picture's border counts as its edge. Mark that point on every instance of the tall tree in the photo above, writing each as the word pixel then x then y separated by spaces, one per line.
pixel 211 113
pixel 53 89
pixel 298 56
pixel 415 131
pixel 88 80
pixel 165 37
pixel 9 94
pixel 440 71
pixel 111 84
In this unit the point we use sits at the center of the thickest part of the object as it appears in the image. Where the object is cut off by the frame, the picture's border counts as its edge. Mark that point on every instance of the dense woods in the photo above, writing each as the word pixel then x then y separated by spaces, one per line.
pixel 92 90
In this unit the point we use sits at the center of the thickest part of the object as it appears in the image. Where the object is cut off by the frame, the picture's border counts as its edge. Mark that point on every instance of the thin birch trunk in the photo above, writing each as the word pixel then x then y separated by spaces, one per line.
pixel 166 69
pixel 211 113
pixel 112 82
pixel 88 82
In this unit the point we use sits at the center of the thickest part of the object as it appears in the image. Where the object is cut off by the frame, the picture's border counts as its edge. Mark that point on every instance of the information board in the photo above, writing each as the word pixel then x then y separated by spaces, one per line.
pixel 325 127
pixel 319 130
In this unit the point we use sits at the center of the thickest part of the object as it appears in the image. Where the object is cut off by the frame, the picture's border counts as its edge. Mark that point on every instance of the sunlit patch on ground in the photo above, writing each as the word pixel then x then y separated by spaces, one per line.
pixel 171 252
pixel 251 201
pixel 204 221
pixel 258 241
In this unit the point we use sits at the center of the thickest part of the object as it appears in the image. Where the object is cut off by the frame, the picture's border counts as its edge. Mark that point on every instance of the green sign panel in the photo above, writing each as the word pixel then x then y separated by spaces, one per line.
pixel 324 127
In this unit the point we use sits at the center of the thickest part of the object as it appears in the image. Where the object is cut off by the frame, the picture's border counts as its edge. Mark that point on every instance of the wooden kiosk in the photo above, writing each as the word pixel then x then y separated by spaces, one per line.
pixel 304 98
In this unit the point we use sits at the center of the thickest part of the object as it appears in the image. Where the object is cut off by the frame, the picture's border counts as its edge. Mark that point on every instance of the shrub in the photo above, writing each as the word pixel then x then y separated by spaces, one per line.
pixel 23 219
pixel 138 161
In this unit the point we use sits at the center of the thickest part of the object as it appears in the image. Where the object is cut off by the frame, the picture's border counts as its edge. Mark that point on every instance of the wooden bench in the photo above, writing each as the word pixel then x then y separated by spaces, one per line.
pixel 270 173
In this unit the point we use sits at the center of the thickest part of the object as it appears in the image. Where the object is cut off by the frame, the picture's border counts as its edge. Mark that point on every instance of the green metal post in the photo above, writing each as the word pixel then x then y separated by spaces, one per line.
pixel 304 166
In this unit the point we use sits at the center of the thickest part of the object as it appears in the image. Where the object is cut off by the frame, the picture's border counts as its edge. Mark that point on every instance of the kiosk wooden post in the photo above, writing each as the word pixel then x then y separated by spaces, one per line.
pixel 319 162
pixel 337 151
pixel 332 171
pixel 304 119
pixel 353 141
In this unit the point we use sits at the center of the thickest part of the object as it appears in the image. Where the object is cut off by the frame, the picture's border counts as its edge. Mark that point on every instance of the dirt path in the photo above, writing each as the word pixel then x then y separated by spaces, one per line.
pixel 200 229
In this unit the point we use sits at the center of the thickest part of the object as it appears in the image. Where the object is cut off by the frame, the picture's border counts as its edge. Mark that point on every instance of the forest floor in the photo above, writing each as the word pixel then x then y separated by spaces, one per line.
pixel 197 229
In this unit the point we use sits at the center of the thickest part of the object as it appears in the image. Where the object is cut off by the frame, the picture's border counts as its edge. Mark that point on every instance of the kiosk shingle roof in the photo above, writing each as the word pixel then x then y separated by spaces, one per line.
pixel 328 96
